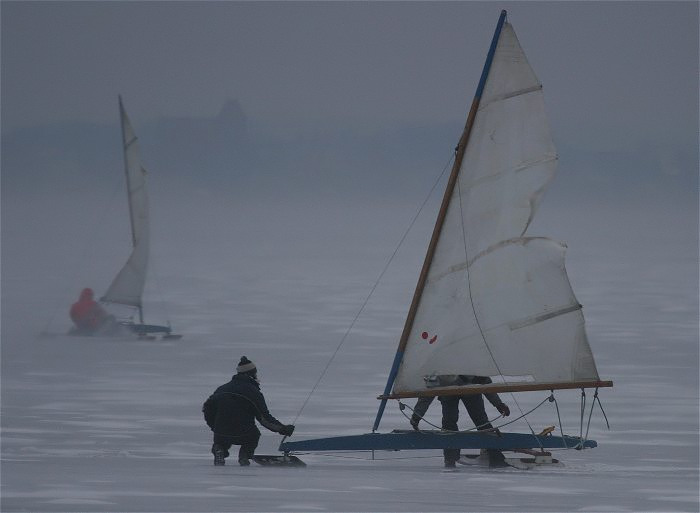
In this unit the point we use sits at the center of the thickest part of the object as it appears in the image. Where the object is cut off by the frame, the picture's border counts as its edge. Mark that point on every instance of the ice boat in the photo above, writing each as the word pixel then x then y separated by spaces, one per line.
pixel 127 286
pixel 491 300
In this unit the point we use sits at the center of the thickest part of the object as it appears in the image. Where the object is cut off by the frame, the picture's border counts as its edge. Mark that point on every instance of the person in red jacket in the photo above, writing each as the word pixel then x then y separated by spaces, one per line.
pixel 87 314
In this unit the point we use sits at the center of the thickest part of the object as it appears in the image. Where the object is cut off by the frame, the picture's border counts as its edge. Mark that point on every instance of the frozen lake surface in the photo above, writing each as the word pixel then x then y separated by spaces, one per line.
pixel 108 425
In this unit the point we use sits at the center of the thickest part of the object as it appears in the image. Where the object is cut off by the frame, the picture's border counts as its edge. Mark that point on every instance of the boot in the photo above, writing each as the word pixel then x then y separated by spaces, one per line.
pixel 219 455
pixel 496 458
pixel 244 456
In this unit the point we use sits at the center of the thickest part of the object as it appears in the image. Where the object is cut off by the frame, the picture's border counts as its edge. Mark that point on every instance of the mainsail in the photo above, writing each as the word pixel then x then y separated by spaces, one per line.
pixel 491 300
pixel 127 286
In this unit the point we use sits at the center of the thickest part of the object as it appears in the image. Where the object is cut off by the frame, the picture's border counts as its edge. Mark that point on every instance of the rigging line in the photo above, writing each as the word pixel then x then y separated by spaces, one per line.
pixel 524 416
pixel 595 398
pixel 583 414
pixel 376 283
pixel 590 415
pixel 402 406
pixel 471 302
pixel 477 427
pixel 561 426
pixel 602 410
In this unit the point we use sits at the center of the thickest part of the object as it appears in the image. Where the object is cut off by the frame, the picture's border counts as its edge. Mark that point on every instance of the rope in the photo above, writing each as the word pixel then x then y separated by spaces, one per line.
pixel 476 317
pixel 583 414
pixel 402 406
pixel 561 426
pixel 582 439
pixel 374 287
pixel 596 398
pixel 601 408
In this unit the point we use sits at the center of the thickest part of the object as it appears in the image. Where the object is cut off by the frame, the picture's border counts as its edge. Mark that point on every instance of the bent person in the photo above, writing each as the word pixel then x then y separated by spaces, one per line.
pixel 231 411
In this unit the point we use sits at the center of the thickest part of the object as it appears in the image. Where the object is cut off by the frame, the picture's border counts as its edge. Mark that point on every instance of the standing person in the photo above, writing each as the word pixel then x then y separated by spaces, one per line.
pixel 87 314
pixel 475 408
pixel 230 412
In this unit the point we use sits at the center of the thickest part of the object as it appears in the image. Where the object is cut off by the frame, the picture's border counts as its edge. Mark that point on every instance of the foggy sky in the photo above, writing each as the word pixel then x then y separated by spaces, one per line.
pixel 618 73
pixel 334 89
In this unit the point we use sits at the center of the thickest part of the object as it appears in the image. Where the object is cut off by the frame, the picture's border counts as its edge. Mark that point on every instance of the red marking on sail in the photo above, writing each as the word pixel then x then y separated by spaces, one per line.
pixel 425 336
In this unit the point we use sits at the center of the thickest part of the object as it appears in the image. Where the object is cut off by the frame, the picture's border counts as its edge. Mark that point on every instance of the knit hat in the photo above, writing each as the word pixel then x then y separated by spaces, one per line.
pixel 245 366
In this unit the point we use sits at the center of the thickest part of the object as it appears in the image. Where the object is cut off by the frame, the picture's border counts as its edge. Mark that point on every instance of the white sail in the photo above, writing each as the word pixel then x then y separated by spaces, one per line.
pixel 496 302
pixel 127 286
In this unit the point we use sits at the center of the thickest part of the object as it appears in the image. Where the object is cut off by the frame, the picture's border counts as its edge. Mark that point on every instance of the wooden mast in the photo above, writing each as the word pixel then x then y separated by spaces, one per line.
pixel 459 155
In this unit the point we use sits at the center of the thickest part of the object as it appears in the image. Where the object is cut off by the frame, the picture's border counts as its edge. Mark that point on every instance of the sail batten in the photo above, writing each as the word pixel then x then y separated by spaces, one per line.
pixel 508 95
pixel 515 325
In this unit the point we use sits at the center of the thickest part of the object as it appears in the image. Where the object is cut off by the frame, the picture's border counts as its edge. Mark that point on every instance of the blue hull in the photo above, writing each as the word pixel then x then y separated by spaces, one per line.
pixel 404 440
pixel 144 329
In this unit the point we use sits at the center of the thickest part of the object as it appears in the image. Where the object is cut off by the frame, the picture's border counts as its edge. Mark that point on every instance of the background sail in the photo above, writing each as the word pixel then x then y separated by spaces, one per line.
pixel 127 286
pixel 498 303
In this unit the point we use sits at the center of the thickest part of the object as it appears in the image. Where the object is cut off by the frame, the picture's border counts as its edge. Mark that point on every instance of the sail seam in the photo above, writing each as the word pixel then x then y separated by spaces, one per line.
pixel 513 94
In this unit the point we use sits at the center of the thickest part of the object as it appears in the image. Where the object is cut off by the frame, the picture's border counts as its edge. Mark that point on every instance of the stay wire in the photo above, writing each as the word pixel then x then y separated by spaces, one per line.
pixel 402 406
pixel 601 409
pixel 561 426
pixel 374 287
pixel 583 414
pixel 590 414
pixel 471 302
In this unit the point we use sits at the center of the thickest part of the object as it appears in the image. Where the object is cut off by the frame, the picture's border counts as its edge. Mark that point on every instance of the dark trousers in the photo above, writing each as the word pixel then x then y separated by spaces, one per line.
pixel 450 416
pixel 248 443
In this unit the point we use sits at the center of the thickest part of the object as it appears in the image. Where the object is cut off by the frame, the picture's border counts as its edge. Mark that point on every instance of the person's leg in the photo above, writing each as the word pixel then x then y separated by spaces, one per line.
pixel 450 416
pixel 220 450
pixel 477 412
pixel 248 444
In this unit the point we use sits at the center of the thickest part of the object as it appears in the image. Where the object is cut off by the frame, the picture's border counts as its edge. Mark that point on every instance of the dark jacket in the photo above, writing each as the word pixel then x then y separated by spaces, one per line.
pixel 232 409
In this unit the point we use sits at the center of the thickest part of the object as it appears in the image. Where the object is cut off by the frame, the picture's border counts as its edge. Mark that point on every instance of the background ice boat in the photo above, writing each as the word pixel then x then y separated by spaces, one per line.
pixel 127 286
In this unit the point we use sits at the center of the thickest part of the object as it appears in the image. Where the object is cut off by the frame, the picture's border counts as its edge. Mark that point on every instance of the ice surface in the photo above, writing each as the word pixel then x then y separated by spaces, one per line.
pixel 115 425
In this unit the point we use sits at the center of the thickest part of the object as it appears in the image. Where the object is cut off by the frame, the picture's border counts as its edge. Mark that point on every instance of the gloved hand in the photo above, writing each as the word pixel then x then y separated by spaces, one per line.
pixel 287 430
pixel 503 409
pixel 415 419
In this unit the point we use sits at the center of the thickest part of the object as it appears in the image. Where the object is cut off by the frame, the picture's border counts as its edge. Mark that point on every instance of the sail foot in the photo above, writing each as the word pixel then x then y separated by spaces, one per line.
pixel 497 388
